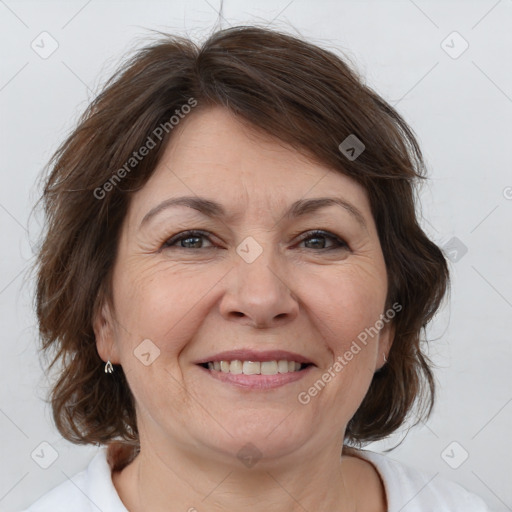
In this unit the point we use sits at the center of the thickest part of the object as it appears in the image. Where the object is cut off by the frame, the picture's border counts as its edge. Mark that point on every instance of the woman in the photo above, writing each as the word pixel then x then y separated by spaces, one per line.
pixel 235 282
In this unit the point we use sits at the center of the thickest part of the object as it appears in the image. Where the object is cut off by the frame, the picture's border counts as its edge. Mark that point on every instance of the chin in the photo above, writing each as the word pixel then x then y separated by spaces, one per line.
pixel 260 437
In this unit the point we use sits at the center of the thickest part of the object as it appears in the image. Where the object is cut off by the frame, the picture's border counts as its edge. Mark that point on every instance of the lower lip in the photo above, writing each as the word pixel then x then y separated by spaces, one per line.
pixel 258 381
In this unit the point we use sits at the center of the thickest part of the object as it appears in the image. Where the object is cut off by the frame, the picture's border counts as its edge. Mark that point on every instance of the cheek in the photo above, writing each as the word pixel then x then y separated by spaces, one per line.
pixel 162 303
pixel 346 304
pixel 165 306
pixel 346 308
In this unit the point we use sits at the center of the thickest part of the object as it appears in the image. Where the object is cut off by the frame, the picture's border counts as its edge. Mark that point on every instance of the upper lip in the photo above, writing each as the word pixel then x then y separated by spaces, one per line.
pixel 254 355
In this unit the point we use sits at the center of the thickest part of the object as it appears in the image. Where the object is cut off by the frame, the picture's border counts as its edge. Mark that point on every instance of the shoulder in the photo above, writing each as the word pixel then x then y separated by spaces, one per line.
pixel 412 490
pixel 91 489
pixel 59 498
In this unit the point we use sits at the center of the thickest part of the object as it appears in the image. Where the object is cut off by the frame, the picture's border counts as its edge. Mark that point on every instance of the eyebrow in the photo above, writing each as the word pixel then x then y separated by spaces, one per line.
pixel 213 209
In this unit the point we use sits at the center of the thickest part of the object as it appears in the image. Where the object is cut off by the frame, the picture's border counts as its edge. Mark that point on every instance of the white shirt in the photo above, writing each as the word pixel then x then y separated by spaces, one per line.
pixel 407 490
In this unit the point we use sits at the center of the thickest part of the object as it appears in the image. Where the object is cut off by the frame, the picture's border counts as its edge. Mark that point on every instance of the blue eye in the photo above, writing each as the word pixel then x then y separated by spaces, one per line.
pixel 194 239
pixel 320 237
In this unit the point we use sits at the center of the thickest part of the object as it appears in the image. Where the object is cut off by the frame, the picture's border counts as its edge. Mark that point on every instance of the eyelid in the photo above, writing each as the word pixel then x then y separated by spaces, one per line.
pixel 182 235
pixel 339 242
pixel 327 234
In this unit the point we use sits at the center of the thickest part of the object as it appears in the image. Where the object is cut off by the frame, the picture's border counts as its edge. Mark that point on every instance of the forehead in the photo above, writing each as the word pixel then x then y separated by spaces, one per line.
pixel 213 153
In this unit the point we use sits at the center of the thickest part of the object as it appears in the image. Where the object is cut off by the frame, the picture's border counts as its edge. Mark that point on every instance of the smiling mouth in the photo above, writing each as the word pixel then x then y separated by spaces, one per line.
pixel 238 367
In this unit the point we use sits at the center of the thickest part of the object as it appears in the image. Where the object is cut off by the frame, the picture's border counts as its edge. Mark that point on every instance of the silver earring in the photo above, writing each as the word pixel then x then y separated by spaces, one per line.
pixel 385 359
pixel 108 367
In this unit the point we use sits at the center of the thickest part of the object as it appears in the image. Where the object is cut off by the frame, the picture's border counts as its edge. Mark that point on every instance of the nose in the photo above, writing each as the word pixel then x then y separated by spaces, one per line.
pixel 257 295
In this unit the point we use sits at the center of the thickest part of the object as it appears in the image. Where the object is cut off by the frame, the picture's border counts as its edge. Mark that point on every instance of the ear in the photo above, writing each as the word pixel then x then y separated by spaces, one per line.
pixel 103 327
pixel 386 338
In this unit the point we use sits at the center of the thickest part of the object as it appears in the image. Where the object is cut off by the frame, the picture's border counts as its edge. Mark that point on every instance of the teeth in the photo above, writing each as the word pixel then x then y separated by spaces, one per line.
pixel 235 367
pixel 255 367
pixel 269 368
pixel 282 366
pixel 251 368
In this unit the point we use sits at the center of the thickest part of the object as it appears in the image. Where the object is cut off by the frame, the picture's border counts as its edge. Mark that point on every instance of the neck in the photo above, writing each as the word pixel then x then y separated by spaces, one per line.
pixel 194 482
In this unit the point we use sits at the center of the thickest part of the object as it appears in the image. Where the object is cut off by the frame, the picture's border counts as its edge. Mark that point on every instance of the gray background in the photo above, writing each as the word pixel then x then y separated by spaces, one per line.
pixel 460 106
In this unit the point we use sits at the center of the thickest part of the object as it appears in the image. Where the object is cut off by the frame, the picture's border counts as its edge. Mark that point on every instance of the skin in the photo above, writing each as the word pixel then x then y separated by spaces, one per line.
pixel 199 297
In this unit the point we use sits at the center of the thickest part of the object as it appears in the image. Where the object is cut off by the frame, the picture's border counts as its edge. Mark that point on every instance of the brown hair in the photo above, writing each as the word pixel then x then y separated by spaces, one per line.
pixel 291 89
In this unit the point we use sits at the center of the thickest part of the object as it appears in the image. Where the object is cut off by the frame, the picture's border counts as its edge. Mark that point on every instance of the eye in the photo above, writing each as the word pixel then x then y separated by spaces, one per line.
pixel 191 239
pixel 319 239
pixel 194 239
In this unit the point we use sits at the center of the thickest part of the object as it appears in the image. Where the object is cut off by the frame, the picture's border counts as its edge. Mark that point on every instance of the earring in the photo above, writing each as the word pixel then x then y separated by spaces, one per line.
pixel 108 367
pixel 385 358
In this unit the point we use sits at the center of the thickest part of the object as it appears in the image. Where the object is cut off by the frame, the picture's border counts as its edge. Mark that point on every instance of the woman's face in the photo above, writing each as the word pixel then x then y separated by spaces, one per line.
pixel 253 278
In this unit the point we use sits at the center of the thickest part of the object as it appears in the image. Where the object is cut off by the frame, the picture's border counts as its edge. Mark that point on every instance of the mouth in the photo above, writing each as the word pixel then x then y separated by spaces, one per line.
pixel 238 367
pixel 256 370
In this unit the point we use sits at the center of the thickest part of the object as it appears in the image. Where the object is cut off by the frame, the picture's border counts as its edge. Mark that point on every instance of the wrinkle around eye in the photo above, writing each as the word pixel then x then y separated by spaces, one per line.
pixel 163 239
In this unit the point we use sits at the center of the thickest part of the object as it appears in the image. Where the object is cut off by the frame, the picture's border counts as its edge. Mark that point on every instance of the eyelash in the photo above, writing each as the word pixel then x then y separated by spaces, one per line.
pixel 184 235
